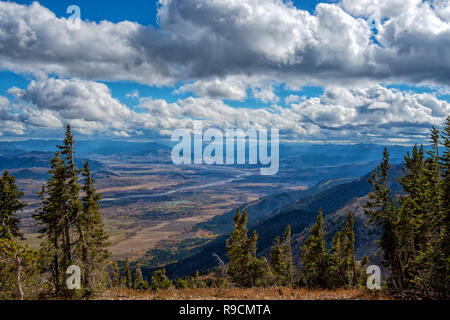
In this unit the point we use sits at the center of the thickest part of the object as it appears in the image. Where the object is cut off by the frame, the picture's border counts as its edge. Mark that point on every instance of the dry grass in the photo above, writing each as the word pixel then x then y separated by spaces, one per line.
pixel 241 294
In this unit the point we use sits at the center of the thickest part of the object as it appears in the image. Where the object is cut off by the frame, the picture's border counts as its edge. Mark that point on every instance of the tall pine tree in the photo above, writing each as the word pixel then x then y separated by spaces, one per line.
pixel 19 272
pixel 412 229
pixel 50 218
pixel 115 274
pixel 10 205
pixel 72 228
pixel 382 211
pixel 314 258
pixel 281 263
pixel 342 259
pixel 444 241
pixel 245 269
pixel 71 216
pixel 126 275
pixel 139 283
pixel 237 249
pixel 94 252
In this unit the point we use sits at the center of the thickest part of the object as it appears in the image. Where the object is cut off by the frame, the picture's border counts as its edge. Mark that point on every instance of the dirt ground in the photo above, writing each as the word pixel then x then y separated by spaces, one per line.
pixel 241 294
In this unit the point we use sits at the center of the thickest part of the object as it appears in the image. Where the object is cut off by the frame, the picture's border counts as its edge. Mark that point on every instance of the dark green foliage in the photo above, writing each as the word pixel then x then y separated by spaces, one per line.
pixel 115 274
pixel 19 265
pixel 183 284
pixel 237 249
pixel 413 213
pixel 382 211
pixel 415 239
pixel 72 227
pixel 245 269
pixel 126 278
pixel 362 271
pixel 160 281
pixel 70 216
pixel 94 240
pixel 10 204
pixel 281 263
pixel 50 218
pixel 443 259
pixel 139 283
pixel 315 268
pixel 221 283
pixel 19 271
pixel 342 262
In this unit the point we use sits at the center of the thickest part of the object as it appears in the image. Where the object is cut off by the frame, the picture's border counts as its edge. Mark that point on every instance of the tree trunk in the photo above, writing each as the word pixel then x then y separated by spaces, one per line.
pixel 56 267
pixel 18 277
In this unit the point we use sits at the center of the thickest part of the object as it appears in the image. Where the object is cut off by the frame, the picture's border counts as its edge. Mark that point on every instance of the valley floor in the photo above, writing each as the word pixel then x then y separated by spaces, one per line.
pixel 240 294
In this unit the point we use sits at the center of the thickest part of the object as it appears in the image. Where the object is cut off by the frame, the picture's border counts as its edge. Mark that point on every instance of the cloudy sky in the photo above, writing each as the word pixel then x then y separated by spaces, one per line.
pixel 333 71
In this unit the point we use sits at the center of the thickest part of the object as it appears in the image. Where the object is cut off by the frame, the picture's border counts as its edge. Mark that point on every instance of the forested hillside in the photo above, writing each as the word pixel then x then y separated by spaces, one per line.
pixel 299 213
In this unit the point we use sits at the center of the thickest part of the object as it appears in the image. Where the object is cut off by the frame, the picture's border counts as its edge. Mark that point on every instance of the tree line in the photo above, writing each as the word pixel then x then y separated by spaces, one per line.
pixel 320 267
pixel 415 240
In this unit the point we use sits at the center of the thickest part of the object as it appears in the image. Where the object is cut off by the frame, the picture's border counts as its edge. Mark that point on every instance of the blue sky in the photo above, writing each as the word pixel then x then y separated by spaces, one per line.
pixel 141 11
pixel 144 13
pixel 318 71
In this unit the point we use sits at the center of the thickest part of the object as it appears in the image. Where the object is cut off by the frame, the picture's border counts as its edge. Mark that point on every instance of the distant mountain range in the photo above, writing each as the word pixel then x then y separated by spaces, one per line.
pixel 300 163
pixel 306 154
pixel 35 164
pixel 87 147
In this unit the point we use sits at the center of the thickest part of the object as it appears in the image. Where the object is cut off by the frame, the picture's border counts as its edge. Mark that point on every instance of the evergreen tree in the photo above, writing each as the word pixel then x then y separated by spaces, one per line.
pixel 314 258
pixel 95 241
pixel 422 271
pixel 139 283
pixel 281 264
pixel 433 177
pixel 71 216
pixel 60 215
pixel 72 227
pixel 237 249
pixel 123 282
pixel 19 270
pixel 245 269
pixel 127 274
pixel 258 271
pixel 342 260
pixel 50 218
pixel 362 271
pixel 443 260
pixel 10 205
pixel 382 211
pixel 115 274
pixel 160 281
pixel 276 261
pixel 183 284
pixel 412 228
pixel 286 249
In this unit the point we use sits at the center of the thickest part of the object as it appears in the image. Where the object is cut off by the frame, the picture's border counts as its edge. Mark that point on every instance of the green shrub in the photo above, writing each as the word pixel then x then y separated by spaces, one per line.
pixel 160 281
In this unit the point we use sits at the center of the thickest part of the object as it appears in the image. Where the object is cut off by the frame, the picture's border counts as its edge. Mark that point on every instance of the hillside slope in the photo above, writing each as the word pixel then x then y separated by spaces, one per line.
pixel 365 235
pixel 300 215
